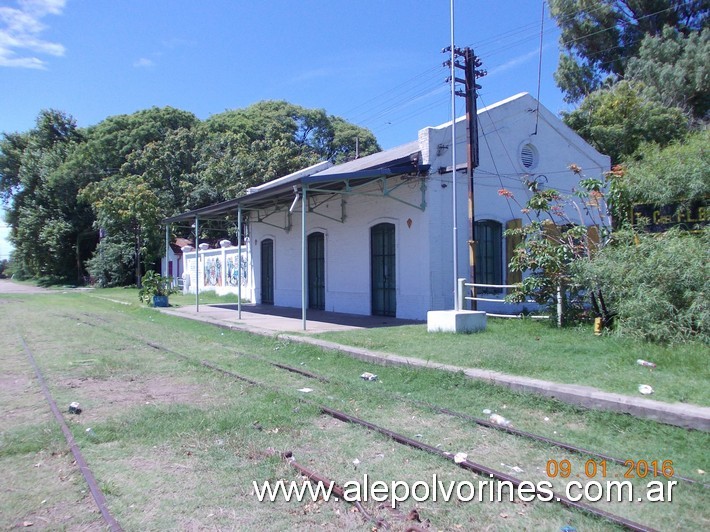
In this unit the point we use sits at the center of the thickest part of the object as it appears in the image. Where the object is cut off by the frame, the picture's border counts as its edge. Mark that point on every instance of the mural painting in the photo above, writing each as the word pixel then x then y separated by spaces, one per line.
pixel 233 271
pixel 213 272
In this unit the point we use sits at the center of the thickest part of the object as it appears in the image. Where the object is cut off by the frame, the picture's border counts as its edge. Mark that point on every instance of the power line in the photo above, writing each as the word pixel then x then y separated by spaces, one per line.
pixel 388 107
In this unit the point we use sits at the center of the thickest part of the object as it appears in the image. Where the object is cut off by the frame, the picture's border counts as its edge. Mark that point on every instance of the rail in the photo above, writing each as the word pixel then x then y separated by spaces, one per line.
pixel 463 285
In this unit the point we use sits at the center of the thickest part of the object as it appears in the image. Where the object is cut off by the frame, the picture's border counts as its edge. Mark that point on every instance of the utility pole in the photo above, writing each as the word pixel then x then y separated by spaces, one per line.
pixel 470 66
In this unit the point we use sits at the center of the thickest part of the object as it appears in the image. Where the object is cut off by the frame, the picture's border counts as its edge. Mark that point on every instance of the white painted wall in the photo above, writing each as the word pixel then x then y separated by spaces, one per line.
pixel 504 129
pixel 347 251
pixel 177 265
pixel 424 247
pixel 223 284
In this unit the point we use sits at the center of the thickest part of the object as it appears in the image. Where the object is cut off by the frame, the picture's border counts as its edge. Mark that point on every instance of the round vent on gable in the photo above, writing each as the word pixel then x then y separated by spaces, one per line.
pixel 528 156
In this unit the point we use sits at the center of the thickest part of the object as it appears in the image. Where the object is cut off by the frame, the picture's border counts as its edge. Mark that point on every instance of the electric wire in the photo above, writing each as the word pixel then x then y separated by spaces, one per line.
pixel 429 78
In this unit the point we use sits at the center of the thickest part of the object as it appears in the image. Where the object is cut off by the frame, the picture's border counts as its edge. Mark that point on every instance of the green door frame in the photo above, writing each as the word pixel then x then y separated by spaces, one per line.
pixel 316 271
pixel 267 272
pixel 383 264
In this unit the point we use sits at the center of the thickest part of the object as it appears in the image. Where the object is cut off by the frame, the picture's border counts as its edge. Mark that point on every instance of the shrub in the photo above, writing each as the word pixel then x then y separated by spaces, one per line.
pixel 658 284
pixel 154 284
pixel 112 263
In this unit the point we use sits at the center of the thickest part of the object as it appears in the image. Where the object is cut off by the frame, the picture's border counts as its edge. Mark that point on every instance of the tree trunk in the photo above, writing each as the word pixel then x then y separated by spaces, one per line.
pixel 138 258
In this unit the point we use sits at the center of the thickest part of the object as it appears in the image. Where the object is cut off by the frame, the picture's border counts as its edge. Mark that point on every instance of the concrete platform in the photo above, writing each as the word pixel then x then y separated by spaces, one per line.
pixel 272 319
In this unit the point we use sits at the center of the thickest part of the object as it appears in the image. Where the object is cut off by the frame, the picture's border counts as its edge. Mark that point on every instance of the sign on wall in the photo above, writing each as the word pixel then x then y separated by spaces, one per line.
pixel 657 219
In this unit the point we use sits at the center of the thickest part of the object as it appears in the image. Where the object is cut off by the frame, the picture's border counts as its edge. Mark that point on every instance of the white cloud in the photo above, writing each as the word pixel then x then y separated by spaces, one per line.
pixel 516 61
pixel 20 28
pixel 144 62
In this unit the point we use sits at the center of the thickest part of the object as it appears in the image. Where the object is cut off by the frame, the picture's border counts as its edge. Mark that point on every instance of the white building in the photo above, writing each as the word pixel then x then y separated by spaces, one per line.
pixel 378 233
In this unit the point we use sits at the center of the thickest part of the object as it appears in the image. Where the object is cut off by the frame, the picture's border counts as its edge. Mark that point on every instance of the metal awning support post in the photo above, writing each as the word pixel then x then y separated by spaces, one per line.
pixel 304 258
pixel 239 255
pixel 197 264
pixel 167 249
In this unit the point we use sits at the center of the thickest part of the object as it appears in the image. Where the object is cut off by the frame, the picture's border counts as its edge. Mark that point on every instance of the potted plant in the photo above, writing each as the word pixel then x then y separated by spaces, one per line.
pixel 155 289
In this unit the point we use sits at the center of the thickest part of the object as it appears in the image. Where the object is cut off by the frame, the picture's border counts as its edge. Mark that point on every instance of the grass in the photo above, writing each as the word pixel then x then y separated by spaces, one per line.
pixel 568 355
pixel 529 348
pixel 177 446
pixel 130 295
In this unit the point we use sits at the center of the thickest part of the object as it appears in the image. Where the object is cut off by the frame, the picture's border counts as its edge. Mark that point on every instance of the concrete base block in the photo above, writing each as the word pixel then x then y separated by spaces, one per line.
pixel 456 321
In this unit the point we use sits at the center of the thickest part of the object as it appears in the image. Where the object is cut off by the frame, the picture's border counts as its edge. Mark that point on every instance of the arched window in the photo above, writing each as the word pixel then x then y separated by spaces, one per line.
pixel 489 267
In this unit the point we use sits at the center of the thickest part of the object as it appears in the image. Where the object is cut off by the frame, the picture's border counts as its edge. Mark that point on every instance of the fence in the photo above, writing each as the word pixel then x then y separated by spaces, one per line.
pixel 463 285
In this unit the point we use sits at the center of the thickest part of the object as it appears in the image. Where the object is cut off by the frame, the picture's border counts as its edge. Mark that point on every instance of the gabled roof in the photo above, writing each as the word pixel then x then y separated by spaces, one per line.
pixel 402 160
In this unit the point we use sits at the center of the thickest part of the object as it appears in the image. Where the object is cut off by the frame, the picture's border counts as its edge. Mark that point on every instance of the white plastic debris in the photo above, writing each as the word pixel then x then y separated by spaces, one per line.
pixel 487 411
pixel 305 390
pixel 514 469
pixel 645 363
pixel 367 376
pixel 499 420
pixel 645 389
pixel 460 457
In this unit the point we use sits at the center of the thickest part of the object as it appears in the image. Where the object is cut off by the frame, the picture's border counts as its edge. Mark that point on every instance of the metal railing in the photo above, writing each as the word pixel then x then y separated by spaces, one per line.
pixel 461 298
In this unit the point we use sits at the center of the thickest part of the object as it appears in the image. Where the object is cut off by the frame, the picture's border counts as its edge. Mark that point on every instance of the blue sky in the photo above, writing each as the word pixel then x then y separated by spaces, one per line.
pixel 376 63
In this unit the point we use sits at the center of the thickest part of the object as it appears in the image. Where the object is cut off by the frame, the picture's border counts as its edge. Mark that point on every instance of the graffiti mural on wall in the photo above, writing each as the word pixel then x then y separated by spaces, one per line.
pixel 233 271
pixel 213 272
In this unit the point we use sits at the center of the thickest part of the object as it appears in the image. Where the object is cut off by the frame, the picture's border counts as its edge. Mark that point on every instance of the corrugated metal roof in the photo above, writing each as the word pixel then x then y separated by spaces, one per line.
pixel 376 160
pixel 394 161
pixel 318 167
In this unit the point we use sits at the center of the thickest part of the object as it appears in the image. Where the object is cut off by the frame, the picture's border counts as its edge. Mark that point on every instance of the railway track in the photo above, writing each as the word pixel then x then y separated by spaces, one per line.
pixel 466 464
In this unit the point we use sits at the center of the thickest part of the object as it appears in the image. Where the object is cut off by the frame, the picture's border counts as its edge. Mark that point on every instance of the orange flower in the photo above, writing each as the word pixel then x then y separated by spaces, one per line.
pixel 505 193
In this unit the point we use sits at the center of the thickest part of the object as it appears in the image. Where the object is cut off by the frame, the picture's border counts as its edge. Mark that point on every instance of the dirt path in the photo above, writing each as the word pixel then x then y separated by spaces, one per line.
pixel 9 287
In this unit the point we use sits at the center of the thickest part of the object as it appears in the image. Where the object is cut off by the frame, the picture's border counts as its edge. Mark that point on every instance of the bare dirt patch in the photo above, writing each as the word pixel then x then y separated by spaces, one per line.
pixel 62 502
pixel 23 403
pixel 101 399
pixel 9 287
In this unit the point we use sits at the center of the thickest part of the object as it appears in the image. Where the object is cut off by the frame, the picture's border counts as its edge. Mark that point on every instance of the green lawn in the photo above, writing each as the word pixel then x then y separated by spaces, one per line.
pixel 130 295
pixel 530 348
pixel 568 355
pixel 174 445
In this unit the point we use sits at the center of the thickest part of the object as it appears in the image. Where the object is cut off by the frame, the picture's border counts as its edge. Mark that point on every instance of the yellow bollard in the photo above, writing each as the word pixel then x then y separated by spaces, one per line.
pixel 597 326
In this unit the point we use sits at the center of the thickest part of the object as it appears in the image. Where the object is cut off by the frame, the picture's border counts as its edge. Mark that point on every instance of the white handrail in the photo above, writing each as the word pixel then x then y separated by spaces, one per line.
pixel 494 285
pixel 462 284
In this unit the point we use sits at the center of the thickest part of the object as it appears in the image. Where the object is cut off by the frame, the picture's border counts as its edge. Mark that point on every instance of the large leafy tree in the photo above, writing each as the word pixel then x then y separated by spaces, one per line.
pixel 47 221
pixel 137 162
pixel 673 69
pixel 128 211
pixel 122 176
pixel 247 147
pixel 599 37
pixel 168 167
pixel 677 174
pixel 618 119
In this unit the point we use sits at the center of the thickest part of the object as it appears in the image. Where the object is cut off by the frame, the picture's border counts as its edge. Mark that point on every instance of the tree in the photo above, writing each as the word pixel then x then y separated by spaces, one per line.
pixel 673 69
pixel 123 175
pixel 126 208
pixel 12 148
pixel 168 166
pixel 617 120
pixel 247 147
pixel 41 197
pixel 678 174
pixel 555 238
pixel 658 284
pixel 599 37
